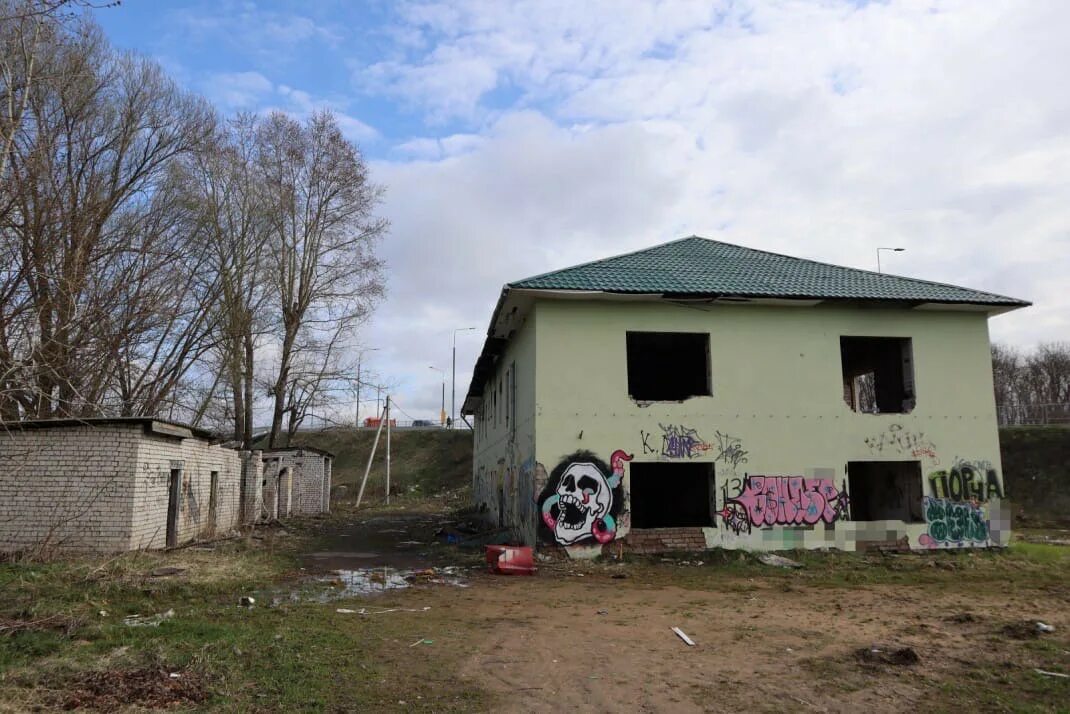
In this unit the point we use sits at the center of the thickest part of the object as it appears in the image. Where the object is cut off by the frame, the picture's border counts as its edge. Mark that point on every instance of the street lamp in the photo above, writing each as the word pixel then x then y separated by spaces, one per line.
pixel 894 250
pixel 453 384
pixel 360 357
pixel 442 413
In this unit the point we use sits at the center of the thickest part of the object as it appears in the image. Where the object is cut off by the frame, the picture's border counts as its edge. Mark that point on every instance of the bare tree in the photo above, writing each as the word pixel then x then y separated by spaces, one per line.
pixel 1006 374
pixel 93 234
pixel 224 181
pixel 324 272
pixel 1032 387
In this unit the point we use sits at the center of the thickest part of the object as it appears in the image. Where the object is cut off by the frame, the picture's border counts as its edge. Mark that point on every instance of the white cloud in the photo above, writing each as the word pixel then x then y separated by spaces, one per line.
pixel 817 129
pixel 237 90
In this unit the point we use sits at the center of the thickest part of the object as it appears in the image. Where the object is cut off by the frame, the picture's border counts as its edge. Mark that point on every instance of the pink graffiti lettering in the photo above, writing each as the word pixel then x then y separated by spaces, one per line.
pixel 791 500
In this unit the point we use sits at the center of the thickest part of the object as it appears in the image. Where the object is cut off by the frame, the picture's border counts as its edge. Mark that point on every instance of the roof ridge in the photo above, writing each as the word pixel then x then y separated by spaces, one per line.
pixel 602 260
pixel 857 270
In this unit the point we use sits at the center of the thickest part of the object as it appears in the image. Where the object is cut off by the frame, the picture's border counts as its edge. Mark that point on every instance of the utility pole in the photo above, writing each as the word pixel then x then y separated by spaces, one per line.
pixel 453 383
pixel 894 250
pixel 360 359
pixel 388 449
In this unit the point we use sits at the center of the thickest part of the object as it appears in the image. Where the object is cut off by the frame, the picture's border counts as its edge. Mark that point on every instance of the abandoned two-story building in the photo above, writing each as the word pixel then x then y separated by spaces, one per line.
pixel 700 394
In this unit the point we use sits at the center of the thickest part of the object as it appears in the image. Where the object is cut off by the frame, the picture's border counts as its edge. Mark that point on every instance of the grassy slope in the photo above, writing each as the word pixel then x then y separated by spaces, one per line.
pixel 425 461
pixel 1036 471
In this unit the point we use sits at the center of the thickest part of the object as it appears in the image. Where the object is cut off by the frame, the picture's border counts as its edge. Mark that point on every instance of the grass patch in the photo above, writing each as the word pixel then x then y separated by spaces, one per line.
pixel 298 656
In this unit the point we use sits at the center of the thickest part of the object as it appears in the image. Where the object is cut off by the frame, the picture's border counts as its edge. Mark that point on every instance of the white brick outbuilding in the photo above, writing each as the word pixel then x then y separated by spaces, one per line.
pixel 296 481
pixel 109 485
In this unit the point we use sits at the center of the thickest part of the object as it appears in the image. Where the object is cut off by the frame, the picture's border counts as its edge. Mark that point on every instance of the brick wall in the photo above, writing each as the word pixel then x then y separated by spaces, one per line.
pixel 253 475
pixel 659 540
pixel 328 465
pixel 68 489
pixel 197 459
pixel 309 482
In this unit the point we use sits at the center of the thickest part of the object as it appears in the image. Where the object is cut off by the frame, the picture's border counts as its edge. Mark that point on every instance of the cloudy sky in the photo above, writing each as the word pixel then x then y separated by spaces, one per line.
pixel 519 137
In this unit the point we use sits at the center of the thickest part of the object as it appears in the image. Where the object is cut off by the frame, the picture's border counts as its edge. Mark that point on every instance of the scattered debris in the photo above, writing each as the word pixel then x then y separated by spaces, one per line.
pixel 247 601
pixel 680 633
pixel 603 612
pixel 148 688
pixel 422 642
pixel 778 561
pixel 880 654
pixel 143 621
pixel 1046 673
pixel 1042 627
pixel 1023 629
pixel 365 611
pixel 165 571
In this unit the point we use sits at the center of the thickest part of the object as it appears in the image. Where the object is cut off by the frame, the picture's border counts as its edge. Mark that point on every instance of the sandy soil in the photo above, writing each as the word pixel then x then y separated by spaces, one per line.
pixel 548 649
pixel 574 638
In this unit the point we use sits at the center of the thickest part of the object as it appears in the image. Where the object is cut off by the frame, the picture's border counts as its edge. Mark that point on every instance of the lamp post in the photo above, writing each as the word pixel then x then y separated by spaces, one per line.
pixel 894 250
pixel 360 358
pixel 453 383
pixel 442 413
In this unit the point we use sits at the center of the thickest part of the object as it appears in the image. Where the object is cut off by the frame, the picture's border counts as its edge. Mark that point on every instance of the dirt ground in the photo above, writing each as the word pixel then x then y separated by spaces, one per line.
pixel 393 609
pixel 761 648
pixel 598 637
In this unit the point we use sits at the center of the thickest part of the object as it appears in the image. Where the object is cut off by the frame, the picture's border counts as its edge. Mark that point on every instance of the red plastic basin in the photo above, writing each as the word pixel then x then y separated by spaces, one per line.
pixel 511 559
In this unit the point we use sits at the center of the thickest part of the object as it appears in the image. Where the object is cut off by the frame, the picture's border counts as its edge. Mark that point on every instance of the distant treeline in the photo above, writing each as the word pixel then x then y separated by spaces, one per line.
pixel 1027 379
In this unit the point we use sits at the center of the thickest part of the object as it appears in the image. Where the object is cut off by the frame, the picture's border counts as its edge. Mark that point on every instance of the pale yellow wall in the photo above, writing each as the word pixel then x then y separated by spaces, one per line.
pixel 777 387
pixel 505 473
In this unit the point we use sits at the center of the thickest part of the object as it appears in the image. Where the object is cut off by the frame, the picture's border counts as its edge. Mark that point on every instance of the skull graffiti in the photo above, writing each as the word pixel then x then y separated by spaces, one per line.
pixel 583 499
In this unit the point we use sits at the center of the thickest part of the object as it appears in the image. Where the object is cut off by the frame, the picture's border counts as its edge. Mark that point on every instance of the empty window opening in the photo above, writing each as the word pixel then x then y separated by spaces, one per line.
pixel 885 490
pixel 878 374
pixel 668 366
pixel 671 495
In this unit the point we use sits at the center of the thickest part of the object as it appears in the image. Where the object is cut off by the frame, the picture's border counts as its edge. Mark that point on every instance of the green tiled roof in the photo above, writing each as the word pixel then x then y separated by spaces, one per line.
pixel 699 266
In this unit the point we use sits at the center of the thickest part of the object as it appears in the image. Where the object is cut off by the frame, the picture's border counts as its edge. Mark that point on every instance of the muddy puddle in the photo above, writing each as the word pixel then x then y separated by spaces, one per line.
pixel 353 583
pixel 368 582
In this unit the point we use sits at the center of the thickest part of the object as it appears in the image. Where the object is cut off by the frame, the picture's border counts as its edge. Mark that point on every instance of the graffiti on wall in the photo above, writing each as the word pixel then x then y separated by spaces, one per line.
pixel 583 499
pixel 953 523
pixel 730 450
pixel 782 500
pixel 681 442
pixel 965 481
pixel 897 440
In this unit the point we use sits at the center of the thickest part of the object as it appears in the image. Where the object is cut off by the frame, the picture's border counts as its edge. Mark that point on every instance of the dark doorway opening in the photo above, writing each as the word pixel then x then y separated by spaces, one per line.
pixel 213 501
pixel 885 490
pixel 878 374
pixel 671 495
pixel 174 496
pixel 668 366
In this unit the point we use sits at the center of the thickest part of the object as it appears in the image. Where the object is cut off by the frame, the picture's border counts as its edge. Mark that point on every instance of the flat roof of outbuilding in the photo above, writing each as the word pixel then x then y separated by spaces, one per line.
pixel 151 425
